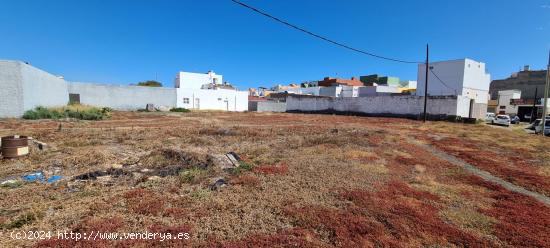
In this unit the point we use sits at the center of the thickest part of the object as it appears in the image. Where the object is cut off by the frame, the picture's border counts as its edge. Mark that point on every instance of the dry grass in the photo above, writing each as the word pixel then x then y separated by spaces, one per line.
pixel 314 181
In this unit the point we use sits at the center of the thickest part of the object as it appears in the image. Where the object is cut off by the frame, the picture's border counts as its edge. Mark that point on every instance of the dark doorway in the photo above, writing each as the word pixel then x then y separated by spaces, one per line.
pixel 74 98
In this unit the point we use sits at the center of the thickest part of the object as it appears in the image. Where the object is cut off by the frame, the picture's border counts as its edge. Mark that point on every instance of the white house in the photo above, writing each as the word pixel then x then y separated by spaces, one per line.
pixel 455 77
pixel 462 77
pixel 193 92
pixel 504 100
pixel 190 80
pixel 408 84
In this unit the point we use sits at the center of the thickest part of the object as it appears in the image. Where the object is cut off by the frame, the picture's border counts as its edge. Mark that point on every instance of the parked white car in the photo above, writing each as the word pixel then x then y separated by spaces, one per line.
pixel 490 117
pixel 502 120
pixel 538 128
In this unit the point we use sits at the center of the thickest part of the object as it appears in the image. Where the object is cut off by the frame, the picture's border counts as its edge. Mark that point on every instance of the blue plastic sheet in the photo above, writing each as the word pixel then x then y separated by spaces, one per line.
pixel 34 177
pixel 54 179
pixel 39 177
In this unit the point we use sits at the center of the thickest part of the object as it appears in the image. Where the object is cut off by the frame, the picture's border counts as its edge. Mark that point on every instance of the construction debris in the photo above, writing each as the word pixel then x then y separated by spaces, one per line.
pixel 227 161
pixel 234 158
pixel 150 107
pixel 38 144
pixel 94 175
pixel 217 184
pixel 163 109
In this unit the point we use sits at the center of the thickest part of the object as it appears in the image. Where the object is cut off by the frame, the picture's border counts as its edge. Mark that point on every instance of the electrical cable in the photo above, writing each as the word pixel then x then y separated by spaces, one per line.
pixel 321 37
pixel 431 70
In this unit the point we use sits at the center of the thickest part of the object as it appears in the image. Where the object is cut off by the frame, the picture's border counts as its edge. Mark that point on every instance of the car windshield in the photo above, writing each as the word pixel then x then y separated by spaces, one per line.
pixel 502 117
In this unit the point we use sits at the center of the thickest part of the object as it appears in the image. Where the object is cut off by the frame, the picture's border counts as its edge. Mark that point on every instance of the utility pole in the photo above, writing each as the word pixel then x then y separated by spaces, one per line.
pixel 533 117
pixel 426 85
pixel 545 105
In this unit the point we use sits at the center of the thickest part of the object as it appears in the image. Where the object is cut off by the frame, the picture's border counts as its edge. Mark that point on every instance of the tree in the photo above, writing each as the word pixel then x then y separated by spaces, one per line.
pixel 150 83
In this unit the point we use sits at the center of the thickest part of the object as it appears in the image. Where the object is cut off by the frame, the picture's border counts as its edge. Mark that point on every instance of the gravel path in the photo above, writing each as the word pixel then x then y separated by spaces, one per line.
pixel 483 174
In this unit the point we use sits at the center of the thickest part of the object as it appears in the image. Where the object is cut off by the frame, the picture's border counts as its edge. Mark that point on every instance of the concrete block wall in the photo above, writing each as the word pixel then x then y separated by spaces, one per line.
pixel 123 97
pixel 41 88
pixel 25 87
pixel 271 106
pixel 11 93
pixel 377 105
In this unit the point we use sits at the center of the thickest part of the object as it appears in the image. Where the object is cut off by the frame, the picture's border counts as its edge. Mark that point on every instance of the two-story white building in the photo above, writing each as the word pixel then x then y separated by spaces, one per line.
pixel 461 77
pixel 206 91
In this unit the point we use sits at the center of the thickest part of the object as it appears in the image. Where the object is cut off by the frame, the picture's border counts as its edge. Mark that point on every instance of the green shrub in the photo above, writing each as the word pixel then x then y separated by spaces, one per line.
pixel 192 175
pixel 22 220
pixel 200 194
pixel 243 166
pixel 181 110
pixel 75 111
pixel 12 185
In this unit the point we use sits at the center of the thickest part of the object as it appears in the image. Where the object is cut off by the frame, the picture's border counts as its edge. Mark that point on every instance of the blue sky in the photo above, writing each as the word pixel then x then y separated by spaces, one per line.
pixel 125 42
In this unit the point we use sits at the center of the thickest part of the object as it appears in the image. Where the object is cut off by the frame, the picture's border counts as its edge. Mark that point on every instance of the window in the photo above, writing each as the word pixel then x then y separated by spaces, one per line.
pixel 502 107
pixel 74 98
pixel 185 100
pixel 219 99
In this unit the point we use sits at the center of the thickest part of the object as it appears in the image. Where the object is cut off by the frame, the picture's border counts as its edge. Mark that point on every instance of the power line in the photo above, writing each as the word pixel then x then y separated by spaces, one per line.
pixel 431 70
pixel 321 37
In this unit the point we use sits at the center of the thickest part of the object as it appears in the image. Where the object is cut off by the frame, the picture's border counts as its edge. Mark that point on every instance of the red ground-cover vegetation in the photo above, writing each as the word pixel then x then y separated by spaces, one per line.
pixel 87 227
pixel 508 167
pixel 112 226
pixel 279 169
pixel 397 216
pixel 175 212
pixel 522 221
pixel 345 229
pixel 141 201
pixel 245 180
pixel 283 238
pixel 100 225
pixel 409 214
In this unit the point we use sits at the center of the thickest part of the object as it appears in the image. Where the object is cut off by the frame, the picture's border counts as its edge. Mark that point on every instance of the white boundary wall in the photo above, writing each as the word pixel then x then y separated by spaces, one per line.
pixel 382 105
pixel 123 97
pixel 269 106
pixel 24 87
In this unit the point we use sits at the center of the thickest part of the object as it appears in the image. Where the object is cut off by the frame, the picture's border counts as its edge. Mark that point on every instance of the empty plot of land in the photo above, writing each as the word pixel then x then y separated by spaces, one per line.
pixel 304 180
